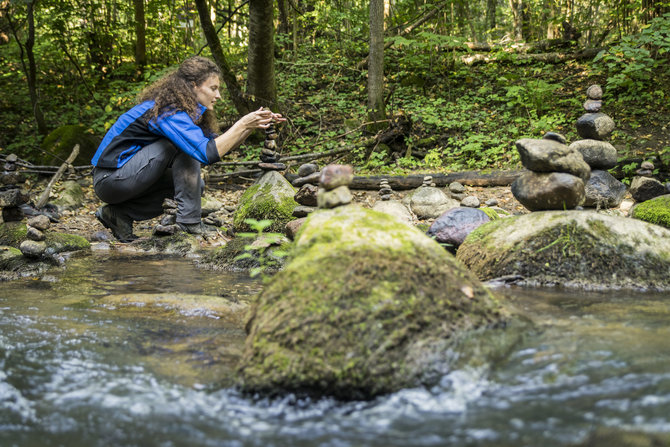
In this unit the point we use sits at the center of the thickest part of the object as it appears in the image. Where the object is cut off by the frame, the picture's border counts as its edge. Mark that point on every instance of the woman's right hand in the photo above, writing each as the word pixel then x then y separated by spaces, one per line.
pixel 260 119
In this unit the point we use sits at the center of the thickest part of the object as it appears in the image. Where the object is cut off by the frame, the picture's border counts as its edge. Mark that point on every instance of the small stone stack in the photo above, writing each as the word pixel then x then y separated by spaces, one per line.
pixel 269 155
pixel 11 195
pixel 34 246
pixel 644 187
pixel 428 182
pixel 168 223
pixel 602 189
pixel 307 182
pixel 557 175
pixel 334 186
pixel 385 191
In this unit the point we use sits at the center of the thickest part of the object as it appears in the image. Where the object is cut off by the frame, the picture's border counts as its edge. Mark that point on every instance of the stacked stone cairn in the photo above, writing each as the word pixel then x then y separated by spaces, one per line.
pixel 602 190
pixel 168 223
pixel 385 191
pixel 334 186
pixel 386 204
pixel 557 174
pixel 644 187
pixel 307 182
pixel 11 194
pixel 34 246
pixel 269 155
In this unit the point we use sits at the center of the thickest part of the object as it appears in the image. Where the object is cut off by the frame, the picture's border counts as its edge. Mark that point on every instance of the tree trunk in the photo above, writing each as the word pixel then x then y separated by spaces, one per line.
pixel 376 111
pixel 140 34
pixel 32 71
pixel 261 69
pixel 517 18
pixel 227 74
pixel 491 14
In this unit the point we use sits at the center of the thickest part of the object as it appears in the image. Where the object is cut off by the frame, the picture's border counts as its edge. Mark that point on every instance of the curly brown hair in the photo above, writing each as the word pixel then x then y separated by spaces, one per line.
pixel 174 92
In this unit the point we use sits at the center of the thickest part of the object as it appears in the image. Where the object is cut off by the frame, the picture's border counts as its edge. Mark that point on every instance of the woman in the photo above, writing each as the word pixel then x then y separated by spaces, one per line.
pixel 155 150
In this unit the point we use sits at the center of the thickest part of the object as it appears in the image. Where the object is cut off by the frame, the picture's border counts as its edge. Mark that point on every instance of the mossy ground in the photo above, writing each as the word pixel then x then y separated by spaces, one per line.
pixel 656 211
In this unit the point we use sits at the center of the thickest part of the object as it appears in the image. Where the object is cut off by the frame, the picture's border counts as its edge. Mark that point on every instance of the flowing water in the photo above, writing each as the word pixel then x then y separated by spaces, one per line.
pixel 117 350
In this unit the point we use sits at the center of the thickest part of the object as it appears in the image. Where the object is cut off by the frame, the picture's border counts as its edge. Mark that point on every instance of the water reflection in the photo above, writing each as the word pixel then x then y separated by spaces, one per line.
pixel 120 351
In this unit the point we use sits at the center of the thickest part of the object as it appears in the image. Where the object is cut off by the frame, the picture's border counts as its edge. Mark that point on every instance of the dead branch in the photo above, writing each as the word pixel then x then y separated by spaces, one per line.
pixel 44 198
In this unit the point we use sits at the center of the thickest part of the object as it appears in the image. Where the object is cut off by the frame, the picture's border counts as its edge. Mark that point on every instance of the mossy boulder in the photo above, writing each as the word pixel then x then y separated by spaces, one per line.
pixel 70 196
pixel 571 248
pixel 367 305
pixel 656 211
pixel 62 242
pixel 12 233
pixel 271 197
pixel 58 145
pixel 180 243
pixel 242 254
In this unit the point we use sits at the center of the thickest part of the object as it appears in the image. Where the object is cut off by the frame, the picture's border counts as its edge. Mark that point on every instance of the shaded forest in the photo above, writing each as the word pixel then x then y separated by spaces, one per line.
pixel 391 86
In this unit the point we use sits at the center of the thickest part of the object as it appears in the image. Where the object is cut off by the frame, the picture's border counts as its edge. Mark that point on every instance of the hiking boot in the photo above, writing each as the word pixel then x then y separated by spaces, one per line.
pixel 120 226
pixel 198 229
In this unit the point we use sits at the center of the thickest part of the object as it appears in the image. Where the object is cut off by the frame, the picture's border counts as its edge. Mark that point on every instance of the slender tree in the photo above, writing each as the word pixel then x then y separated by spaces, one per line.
pixel 376 111
pixel 140 34
pixel 261 69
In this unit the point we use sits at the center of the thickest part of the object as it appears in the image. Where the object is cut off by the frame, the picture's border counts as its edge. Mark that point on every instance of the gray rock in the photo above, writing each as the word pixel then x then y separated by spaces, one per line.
pixel 312 179
pixel 33 249
pixel 12 197
pixel 41 222
pixel 334 176
pixel 645 188
pixel 458 197
pixel 456 187
pixel 34 234
pixel 452 227
pixel 603 190
pixel 491 202
pixel 306 195
pixel 270 197
pixel 555 137
pixel 293 227
pixel 553 191
pixel 328 199
pixel 551 156
pixel 306 169
pixel 596 126
pixel 396 209
pixel 593 105
pixel 272 166
pixel 209 205
pixel 303 211
pixel 71 196
pixel 429 202
pixel 594 92
pixel 596 153
pixel 647 165
pixel 471 202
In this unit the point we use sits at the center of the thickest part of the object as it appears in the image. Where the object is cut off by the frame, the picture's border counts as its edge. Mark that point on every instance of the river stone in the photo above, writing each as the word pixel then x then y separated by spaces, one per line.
pixel 456 188
pixel 306 195
pixel 12 198
pixel 551 156
pixel 452 227
pixel 471 202
pixel 656 211
pixel 293 226
pixel 554 191
pixel 593 105
pixel 272 166
pixel 312 178
pixel 597 154
pixel 270 197
pixel 306 169
pixel 334 176
pixel 333 198
pixel 594 92
pixel 560 138
pixel 429 202
pixel 34 234
pixel 395 209
pixel 645 188
pixel 70 197
pixel 41 222
pixel 366 306
pixel 303 211
pixel 571 248
pixel 209 205
pixel 595 126
pixel 33 249
pixel 603 190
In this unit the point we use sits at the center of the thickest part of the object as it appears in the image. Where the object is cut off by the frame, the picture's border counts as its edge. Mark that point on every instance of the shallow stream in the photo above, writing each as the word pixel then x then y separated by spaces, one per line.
pixel 117 350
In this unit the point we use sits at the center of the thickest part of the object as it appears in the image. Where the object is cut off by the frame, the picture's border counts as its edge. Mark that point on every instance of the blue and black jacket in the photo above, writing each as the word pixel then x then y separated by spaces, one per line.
pixel 134 130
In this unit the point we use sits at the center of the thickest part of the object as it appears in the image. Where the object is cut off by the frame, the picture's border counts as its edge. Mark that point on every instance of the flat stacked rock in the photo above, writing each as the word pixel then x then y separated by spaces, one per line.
pixel 602 190
pixel 168 223
pixel 269 155
pixel 385 191
pixel 11 194
pixel 334 186
pixel 307 182
pixel 557 175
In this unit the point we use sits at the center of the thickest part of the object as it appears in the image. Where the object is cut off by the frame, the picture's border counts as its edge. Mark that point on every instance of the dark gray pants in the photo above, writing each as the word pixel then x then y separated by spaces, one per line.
pixel 158 171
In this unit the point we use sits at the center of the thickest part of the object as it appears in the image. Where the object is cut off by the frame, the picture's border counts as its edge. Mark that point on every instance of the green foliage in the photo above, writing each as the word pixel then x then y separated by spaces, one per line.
pixel 263 245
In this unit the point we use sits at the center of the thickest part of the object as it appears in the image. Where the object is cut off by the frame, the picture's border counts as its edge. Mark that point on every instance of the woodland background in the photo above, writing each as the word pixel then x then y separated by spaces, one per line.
pixel 393 86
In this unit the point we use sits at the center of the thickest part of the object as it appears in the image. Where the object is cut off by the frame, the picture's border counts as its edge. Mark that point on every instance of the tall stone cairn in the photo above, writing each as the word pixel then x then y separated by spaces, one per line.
pixel 385 191
pixel 269 154
pixel 334 186
pixel 11 194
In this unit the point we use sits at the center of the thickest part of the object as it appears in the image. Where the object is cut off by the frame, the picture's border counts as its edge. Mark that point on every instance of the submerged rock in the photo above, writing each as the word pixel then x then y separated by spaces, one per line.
pixel 571 248
pixel 366 306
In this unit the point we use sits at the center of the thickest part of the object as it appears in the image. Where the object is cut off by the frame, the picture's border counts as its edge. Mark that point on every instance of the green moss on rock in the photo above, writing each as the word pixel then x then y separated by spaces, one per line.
pixel 366 306
pixel 12 233
pixel 58 145
pixel 656 211
pixel 271 198
pixel 60 242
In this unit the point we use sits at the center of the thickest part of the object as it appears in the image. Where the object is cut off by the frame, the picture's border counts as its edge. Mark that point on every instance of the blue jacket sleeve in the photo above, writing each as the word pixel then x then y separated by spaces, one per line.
pixel 189 138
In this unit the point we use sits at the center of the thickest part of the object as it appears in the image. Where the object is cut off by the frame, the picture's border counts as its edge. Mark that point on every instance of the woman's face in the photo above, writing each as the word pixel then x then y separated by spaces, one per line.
pixel 207 93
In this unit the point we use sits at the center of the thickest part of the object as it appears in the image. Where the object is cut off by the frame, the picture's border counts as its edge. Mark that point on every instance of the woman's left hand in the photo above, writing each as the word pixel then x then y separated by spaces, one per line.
pixel 261 118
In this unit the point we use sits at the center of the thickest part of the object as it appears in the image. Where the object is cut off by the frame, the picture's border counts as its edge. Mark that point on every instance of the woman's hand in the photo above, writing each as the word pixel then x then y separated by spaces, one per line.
pixel 260 119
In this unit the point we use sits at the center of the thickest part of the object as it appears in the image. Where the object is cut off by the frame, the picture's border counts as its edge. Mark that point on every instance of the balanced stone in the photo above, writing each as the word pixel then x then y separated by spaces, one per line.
pixel 306 195
pixel 302 210
pixel 41 222
pixel 603 190
pixel 312 178
pixel 270 159
pixel 385 196
pixel 272 166
pixel 168 219
pixel 334 176
pixel 268 152
pixel 470 202
pixel 647 165
pixel 555 136
pixel 33 249
pixel 594 92
pixel 597 126
pixel 452 227
pixel 645 188
pixel 331 198
pixel 383 191
pixel 552 191
pixel 597 154
pixel 427 181
pixel 456 188
pixel 271 135
pixel 306 169
pixel 270 144
pixel 165 230
pixel 34 234
pixel 551 156
pixel 593 105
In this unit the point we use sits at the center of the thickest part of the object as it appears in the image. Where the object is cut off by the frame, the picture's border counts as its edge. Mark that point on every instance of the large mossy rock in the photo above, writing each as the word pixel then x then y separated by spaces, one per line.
pixel 58 145
pixel 656 211
pixel 271 197
pixel 13 233
pixel 571 248
pixel 367 305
